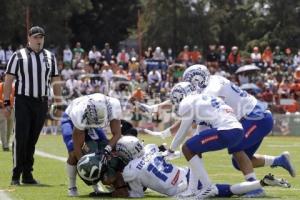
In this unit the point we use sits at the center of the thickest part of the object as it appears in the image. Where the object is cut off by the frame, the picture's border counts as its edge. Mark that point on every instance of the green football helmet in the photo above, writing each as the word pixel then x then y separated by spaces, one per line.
pixel 89 168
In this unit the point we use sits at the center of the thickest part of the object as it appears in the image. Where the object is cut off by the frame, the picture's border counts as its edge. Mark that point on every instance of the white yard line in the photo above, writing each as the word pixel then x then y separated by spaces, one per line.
pixel 4 196
pixel 51 156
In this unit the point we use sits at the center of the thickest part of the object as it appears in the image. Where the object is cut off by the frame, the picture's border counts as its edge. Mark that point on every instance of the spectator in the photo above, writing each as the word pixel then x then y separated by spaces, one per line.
pixel 123 58
pixel 94 55
pixel 133 53
pixel 78 54
pixel 234 59
pixel 288 58
pixel 107 73
pixel 133 67
pixel 149 53
pixel 8 53
pixel 170 56
pixel 2 56
pixel 67 56
pixel 107 53
pixel 158 54
pixel 268 95
pixel 284 89
pixel 212 57
pixel 184 56
pixel 196 56
pixel 278 73
pixel 297 59
pixel 222 58
pixel 267 57
pixel 278 56
pixel 67 72
pixel 256 57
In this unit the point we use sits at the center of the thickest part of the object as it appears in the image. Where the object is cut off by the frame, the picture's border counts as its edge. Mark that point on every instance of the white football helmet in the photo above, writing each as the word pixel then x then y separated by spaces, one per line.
pixel 129 148
pixel 96 113
pixel 89 168
pixel 198 76
pixel 179 92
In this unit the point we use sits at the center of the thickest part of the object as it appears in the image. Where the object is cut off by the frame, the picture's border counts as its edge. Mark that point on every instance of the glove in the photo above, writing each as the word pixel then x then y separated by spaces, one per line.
pixel 163 134
pixel 106 154
pixel 171 155
pixel 146 108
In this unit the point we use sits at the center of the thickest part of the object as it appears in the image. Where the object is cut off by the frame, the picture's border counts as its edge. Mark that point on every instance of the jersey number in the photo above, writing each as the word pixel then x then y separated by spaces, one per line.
pixel 158 163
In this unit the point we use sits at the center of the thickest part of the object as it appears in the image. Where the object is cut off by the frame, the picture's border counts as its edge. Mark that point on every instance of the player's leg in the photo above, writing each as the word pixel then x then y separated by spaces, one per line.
pixel 67 131
pixel 208 140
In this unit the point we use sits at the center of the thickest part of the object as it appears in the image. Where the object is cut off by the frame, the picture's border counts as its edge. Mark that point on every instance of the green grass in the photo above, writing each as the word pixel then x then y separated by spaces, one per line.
pixel 53 176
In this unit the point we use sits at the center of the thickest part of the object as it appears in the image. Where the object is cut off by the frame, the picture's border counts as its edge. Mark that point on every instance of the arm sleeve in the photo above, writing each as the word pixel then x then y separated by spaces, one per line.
pixel 12 65
pixel 181 133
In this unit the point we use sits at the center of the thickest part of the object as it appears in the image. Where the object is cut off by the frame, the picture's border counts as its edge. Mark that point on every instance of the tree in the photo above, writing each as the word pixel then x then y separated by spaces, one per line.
pixel 106 21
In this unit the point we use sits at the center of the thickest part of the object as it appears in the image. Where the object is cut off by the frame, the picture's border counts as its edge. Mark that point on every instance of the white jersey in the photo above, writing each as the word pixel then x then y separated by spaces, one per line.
pixel 239 100
pixel 153 172
pixel 204 110
pixel 209 111
pixel 106 108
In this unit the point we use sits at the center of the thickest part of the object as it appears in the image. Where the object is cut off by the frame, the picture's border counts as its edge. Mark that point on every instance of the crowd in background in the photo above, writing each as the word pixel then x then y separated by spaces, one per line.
pixel 150 76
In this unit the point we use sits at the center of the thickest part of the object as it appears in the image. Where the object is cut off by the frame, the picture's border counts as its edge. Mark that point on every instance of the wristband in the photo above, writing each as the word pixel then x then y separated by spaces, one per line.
pixel 108 148
pixel 6 103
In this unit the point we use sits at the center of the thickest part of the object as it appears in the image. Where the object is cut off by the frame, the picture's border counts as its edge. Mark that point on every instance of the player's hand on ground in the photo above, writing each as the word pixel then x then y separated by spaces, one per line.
pixel 163 134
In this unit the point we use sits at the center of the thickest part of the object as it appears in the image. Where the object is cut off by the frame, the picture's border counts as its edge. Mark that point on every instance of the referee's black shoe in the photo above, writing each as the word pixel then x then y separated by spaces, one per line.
pixel 28 179
pixel 15 180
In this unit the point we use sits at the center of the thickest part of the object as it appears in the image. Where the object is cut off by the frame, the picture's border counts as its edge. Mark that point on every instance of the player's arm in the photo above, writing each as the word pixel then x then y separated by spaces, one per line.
pixel 181 133
pixel 167 132
pixel 154 108
pixel 121 188
pixel 115 127
pixel 78 141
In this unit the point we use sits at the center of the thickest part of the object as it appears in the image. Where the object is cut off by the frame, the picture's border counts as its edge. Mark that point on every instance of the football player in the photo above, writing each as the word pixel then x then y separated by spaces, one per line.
pixel 256 120
pixel 82 130
pixel 147 168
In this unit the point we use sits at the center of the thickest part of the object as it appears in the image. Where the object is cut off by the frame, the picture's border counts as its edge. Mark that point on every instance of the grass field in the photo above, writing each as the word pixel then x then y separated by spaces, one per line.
pixel 51 173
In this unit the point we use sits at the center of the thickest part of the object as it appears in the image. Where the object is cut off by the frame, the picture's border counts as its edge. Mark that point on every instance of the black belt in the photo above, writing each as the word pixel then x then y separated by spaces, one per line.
pixel 42 99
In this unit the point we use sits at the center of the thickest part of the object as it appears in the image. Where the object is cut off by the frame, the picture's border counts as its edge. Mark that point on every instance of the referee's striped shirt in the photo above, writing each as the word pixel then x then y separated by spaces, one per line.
pixel 33 71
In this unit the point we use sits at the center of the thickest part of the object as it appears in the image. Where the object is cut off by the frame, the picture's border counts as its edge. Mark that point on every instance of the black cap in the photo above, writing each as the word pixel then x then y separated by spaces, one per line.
pixel 36 30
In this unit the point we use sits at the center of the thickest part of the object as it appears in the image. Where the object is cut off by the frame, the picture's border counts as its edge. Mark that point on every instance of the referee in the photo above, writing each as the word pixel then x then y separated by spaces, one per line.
pixel 33 68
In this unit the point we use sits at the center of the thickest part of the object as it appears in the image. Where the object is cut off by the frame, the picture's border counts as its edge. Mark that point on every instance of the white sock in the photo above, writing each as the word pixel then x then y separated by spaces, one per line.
pixel 71 171
pixel 269 160
pixel 244 187
pixel 250 177
pixel 199 171
pixel 193 181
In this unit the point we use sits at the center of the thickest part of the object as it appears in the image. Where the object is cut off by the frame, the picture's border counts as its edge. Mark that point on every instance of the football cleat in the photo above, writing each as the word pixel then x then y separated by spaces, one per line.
pixel 284 161
pixel 186 194
pixel 270 180
pixel 207 192
pixel 255 194
pixel 73 192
